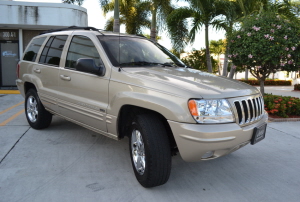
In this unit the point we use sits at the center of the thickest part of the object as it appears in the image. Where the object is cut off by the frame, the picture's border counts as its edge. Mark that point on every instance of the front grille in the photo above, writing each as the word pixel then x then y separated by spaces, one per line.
pixel 249 109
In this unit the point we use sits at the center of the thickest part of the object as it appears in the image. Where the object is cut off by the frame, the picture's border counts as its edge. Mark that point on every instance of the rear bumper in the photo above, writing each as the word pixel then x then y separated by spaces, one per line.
pixel 20 85
pixel 194 140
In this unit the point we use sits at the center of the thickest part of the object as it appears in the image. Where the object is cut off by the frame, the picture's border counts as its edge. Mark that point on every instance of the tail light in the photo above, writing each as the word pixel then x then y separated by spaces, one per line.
pixel 18 70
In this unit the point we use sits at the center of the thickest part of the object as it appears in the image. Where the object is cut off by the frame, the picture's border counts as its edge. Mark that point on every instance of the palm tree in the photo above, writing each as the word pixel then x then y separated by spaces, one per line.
pixel 202 13
pixel 218 48
pixel 78 2
pixel 116 19
pixel 133 13
pixel 161 9
pixel 232 12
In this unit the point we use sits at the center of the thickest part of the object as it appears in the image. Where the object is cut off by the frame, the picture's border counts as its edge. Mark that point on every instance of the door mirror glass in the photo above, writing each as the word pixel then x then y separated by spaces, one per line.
pixel 88 65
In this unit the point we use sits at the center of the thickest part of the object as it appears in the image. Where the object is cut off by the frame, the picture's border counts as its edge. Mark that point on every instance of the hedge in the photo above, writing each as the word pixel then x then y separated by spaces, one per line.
pixel 268 82
pixel 297 87
pixel 282 106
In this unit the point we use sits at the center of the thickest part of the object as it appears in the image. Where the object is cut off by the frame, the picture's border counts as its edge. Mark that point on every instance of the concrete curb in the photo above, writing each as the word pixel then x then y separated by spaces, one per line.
pixel 283 119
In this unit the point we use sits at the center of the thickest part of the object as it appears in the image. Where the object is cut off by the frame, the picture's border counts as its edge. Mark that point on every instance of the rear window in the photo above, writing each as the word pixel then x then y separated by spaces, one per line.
pixel 33 49
pixel 53 49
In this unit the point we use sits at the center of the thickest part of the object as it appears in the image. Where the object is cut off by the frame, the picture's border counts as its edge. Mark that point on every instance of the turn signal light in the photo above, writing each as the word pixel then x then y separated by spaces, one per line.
pixel 193 107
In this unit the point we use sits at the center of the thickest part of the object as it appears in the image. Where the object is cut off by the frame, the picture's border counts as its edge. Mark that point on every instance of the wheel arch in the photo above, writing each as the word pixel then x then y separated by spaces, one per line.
pixel 127 113
pixel 28 85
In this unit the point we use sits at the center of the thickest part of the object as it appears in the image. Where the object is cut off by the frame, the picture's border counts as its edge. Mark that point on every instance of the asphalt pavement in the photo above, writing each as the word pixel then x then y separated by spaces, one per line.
pixel 66 162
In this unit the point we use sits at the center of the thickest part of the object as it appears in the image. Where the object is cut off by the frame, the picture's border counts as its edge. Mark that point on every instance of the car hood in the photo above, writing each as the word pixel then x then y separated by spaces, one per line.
pixel 196 82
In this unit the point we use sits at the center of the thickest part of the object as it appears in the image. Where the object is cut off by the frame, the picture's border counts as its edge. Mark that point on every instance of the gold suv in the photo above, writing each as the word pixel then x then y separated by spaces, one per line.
pixel 125 85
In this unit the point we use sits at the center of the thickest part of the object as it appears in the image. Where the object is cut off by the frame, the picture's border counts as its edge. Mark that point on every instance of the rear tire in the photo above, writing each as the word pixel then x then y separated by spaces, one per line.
pixel 36 114
pixel 149 150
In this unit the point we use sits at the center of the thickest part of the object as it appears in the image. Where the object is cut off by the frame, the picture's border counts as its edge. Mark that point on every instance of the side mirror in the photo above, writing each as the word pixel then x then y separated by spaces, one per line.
pixel 88 65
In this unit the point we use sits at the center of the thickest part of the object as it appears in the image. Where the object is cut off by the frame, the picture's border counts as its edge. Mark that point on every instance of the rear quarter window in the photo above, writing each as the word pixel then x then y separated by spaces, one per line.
pixel 33 49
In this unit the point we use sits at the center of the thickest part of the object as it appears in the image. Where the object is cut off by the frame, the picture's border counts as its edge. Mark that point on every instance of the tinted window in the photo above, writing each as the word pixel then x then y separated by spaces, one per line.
pixel 82 47
pixel 33 49
pixel 52 50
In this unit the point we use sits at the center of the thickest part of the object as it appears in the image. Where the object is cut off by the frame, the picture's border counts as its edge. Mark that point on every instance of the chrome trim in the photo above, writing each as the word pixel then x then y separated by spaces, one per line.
pixel 257 104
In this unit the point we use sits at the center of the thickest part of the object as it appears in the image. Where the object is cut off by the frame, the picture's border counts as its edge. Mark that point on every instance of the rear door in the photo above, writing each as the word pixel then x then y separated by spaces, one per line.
pixel 47 70
pixel 83 97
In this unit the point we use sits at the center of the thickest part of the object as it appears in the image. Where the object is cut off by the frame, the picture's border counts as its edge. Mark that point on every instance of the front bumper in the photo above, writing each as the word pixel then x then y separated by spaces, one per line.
pixel 194 140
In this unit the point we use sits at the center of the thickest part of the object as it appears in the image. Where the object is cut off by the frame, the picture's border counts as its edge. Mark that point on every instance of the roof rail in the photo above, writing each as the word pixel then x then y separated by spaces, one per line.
pixel 70 28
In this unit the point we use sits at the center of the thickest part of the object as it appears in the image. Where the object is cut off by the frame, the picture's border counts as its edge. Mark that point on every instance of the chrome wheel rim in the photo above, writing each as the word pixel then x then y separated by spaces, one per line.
pixel 32 109
pixel 138 151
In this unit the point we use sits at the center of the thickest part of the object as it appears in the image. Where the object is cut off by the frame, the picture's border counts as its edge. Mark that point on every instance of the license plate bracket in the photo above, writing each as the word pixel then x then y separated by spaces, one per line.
pixel 259 134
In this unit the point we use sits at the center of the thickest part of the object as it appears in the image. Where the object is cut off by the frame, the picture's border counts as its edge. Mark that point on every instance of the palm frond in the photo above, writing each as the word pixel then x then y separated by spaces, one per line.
pixel 178 27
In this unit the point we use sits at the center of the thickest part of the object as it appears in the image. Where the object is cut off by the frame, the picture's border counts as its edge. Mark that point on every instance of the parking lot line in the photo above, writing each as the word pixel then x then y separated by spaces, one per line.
pixel 6 110
pixel 12 117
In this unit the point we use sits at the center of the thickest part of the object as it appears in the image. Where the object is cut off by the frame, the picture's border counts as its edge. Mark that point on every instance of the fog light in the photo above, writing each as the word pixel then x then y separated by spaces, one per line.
pixel 208 154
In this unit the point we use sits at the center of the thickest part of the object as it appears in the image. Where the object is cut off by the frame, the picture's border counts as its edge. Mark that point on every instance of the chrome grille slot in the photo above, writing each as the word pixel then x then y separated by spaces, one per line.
pixel 246 111
pixel 239 111
pixel 249 109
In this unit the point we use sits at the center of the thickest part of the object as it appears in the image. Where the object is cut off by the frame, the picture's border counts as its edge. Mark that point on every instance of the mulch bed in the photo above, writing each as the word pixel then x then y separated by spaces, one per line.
pixel 275 118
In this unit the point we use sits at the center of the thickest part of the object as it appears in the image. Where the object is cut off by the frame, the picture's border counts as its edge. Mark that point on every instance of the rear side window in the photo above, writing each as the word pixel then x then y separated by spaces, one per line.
pixel 52 51
pixel 33 49
pixel 82 47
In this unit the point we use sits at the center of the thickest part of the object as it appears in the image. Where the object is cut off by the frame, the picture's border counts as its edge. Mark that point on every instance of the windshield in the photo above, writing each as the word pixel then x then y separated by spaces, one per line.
pixel 133 51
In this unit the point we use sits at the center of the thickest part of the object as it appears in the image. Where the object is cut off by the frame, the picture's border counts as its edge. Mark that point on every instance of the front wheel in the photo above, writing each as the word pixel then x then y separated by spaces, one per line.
pixel 149 150
pixel 36 114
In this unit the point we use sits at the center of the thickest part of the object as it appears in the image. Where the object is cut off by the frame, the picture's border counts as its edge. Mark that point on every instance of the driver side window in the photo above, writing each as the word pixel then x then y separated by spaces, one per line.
pixel 82 47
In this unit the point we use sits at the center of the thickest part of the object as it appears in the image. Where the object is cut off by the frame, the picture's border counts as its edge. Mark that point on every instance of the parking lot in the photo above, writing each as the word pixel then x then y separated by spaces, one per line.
pixel 66 162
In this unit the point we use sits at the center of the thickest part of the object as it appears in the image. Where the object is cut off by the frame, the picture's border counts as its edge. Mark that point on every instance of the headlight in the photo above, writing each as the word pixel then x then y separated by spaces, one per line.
pixel 211 111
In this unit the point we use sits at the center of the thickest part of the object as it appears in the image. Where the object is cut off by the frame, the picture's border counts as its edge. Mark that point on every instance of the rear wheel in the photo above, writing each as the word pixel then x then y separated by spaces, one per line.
pixel 149 150
pixel 37 116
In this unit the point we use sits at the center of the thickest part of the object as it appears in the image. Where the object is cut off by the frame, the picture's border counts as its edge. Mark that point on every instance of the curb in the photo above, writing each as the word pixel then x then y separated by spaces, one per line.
pixel 9 92
pixel 283 119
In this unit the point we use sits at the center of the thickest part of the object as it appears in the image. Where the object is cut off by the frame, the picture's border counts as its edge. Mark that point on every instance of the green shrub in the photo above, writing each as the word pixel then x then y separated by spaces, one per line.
pixel 283 106
pixel 270 82
pixel 297 87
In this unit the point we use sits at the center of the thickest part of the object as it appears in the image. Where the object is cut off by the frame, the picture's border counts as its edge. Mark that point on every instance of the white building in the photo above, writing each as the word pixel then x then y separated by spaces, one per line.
pixel 21 21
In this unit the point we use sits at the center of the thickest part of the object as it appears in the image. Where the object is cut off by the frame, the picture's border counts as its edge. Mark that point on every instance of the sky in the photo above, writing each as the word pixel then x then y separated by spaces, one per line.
pixel 97 19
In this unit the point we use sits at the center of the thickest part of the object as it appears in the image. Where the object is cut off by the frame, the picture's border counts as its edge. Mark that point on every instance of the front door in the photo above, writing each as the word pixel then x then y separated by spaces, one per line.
pixel 9 60
pixel 83 97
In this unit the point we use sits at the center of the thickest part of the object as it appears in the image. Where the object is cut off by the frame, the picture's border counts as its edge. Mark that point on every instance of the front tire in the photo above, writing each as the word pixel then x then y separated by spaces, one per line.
pixel 149 150
pixel 36 114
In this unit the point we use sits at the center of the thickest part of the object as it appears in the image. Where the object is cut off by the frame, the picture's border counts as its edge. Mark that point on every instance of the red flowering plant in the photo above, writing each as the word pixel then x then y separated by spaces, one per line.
pixel 264 44
pixel 283 106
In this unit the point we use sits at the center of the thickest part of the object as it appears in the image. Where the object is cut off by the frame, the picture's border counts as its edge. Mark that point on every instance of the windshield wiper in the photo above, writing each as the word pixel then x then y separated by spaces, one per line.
pixel 146 63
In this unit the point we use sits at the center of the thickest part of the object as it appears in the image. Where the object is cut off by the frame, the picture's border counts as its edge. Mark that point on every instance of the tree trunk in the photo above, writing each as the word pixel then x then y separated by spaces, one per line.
pixel 232 70
pixel 273 77
pixel 219 65
pixel 246 73
pixel 262 86
pixel 208 59
pixel 225 62
pixel 116 17
pixel 153 24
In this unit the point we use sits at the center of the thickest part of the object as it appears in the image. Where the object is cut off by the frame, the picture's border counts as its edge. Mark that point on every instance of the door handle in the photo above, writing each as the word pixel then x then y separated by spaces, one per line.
pixel 66 78
pixel 37 70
